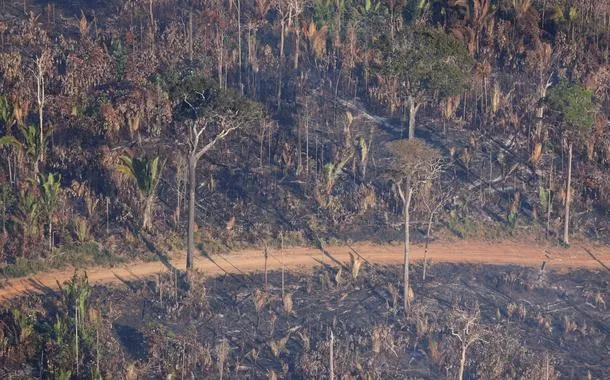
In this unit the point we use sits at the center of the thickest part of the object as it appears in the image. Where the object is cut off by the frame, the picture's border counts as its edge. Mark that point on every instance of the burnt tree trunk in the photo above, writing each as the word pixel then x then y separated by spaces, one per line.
pixel 191 221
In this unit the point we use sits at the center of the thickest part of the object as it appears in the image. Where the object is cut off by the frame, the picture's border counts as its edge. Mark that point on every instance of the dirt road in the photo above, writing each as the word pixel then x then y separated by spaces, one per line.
pixel 523 254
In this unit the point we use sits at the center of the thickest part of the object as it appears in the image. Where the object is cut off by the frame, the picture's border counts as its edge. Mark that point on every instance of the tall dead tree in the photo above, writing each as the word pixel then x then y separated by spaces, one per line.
pixel 42 62
pixel 414 163
pixel 215 114
pixel 465 328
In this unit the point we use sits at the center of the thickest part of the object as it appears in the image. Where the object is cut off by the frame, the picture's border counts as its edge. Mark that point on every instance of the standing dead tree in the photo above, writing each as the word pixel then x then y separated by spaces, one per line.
pixel 465 328
pixel 414 164
pixel 214 115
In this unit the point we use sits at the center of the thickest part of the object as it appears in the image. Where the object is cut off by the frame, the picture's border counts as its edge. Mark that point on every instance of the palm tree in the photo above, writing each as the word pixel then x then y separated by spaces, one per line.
pixel 26 215
pixel 146 172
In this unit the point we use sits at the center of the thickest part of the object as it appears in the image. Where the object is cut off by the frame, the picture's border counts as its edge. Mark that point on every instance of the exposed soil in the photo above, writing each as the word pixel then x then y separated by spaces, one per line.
pixel 528 254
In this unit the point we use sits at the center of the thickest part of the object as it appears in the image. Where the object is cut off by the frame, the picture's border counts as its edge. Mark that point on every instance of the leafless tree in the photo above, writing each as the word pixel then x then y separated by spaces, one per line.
pixel 210 125
pixel 465 328
pixel 414 163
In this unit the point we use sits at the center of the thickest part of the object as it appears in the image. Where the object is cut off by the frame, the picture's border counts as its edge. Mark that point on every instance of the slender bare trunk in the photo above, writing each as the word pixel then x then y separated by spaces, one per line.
pixel 40 86
pixel 282 257
pixel 281 61
pixel 413 108
pixel 566 227
pixel 147 214
pixel 299 151
pixel 266 256
pixel 426 245
pixel 191 221
pixel 50 234
pixel 462 362
pixel 76 336
pixel 406 204
pixel 332 357
pixel 190 35
pixel 297 42
pixel 241 85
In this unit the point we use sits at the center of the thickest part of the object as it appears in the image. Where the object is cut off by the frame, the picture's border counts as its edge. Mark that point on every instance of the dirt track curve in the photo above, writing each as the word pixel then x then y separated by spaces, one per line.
pixel 505 253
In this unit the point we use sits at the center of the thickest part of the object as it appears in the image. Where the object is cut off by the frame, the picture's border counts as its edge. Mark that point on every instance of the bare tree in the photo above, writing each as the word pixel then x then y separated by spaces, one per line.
pixel 42 62
pixel 283 10
pixel 414 163
pixel 216 114
pixel 296 7
pixel 465 328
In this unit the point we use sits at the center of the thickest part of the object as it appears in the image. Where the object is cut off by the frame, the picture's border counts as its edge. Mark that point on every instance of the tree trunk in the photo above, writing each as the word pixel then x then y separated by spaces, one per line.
pixel 41 101
pixel 281 60
pixel 413 108
pixel 462 362
pixel 241 85
pixel 191 222
pixel 549 205
pixel 190 35
pixel 426 245
pixel 331 363
pixel 147 214
pixel 566 227
pixel 50 234
pixel 407 204
pixel 297 42
pixel 306 138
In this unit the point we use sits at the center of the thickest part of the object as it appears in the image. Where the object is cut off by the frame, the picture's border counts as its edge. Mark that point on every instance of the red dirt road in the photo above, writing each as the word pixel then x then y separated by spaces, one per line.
pixel 497 253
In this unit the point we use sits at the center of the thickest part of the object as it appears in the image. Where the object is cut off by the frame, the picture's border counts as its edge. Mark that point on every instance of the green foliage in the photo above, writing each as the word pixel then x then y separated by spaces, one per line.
pixel 326 11
pixel 49 191
pixel 143 170
pixel 83 255
pixel 29 141
pixel 119 54
pixel 415 9
pixel 27 213
pixel 6 112
pixel 429 63
pixel 82 229
pixel 7 200
pixel 576 106
pixel 9 140
pixel 71 329
pixel 512 218
pixel 197 97
pixel 544 196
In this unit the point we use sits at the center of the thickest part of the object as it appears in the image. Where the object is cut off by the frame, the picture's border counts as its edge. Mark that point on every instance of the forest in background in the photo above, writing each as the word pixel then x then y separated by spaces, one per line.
pixel 289 117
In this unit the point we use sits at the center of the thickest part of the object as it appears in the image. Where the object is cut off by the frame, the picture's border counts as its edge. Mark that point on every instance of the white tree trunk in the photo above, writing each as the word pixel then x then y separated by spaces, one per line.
pixel 566 226
pixel 406 205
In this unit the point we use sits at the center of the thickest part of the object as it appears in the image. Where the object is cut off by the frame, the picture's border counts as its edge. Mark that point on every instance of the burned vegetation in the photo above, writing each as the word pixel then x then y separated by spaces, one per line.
pixel 465 321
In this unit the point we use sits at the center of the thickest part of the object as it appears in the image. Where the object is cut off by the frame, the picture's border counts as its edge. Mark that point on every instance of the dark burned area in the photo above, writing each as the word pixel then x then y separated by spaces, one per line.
pixel 530 322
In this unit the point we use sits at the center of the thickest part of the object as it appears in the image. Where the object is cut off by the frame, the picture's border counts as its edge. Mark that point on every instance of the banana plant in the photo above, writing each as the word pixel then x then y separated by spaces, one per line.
pixel 49 190
pixel 26 216
pixel 28 143
pixel 6 113
pixel 6 201
pixel 146 172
